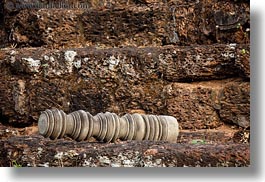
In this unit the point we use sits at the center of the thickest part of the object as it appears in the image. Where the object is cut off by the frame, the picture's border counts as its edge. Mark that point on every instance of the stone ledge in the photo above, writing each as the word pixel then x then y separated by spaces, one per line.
pixel 34 151
pixel 206 22
pixel 195 105
pixel 171 63
pixel 209 104
pixel 124 79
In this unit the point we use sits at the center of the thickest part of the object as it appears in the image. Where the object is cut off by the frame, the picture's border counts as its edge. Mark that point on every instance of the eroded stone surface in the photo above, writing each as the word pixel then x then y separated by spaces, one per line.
pixel 118 24
pixel 203 86
pixel 124 79
pixel 30 151
pixel 171 63
pixel 209 104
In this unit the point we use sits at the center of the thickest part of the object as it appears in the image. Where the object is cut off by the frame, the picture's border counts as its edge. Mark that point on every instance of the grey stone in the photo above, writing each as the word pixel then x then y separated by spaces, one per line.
pixel 107 127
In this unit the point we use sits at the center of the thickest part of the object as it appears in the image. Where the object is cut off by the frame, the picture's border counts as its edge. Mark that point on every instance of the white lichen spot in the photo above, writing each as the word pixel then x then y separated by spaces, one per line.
pixel 104 160
pixel 197 58
pixel 77 64
pixel 46 58
pixel 86 60
pixel 158 161
pixel 59 155
pixel 71 153
pixel 232 46
pixel 169 89
pixel 32 64
pixel 128 163
pixel 12 59
pixel 13 52
pixel 121 157
pixel 210 59
pixel 44 165
pixel 49 29
pixel 86 163
pixel 52 59
pixel 40 150
pixel 115 164
pixel 69 57
pixel 113 62
pixel 228 55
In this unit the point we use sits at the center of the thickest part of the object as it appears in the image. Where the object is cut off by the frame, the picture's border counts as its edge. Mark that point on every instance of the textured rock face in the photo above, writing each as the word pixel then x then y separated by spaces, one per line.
pixel 123 79
pixel 106 24
pixel 209 104
pixel 29 152
pixel 171 63
pixel 189 59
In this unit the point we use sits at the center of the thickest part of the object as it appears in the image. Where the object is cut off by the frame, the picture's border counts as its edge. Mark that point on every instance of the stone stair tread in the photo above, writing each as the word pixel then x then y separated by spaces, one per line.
pixel 223 135
pixel 154 25
pixel 171 63
pixel 130 78
pixel 62 153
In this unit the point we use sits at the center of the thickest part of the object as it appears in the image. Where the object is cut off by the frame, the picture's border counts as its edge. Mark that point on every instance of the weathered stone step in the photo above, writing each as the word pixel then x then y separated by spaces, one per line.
pixel 199 105
pixel 221 135
pixel 14 5
pixel 195 105
pixel 30 151
pixel 122 80
pixel 207 104
pixel 195 22
pixel 169 63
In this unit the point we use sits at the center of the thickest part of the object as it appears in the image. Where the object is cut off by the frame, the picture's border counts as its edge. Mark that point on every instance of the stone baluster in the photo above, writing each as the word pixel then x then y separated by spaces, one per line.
pixel 107 127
